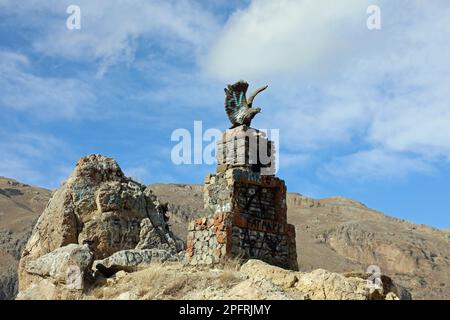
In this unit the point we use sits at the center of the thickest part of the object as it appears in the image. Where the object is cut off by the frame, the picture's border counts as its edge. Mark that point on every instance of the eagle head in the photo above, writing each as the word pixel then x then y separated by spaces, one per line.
pixel 253 112
pixel 250 114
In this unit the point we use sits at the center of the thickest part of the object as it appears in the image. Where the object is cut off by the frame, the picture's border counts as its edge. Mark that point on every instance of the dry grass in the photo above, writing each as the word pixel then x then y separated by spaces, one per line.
pixel 228 278
pixel 150 276
pixel 233 264
pixel 168 281
pixel 105 292
pixel 165 281
pixel 176 286
pixel 142 280
pixel 149 281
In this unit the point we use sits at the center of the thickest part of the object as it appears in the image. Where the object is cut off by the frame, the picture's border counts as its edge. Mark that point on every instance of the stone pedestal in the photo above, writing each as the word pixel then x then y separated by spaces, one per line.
pixel 245 210
pixel 245 147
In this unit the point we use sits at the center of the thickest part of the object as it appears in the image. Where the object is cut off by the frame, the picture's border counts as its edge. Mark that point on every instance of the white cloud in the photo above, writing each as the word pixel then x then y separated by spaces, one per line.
pixel 336 84
pixel 288 37
pixel 178 87
pixel 333 83
pixel 375 165
pixel 44 97
pixel 111 29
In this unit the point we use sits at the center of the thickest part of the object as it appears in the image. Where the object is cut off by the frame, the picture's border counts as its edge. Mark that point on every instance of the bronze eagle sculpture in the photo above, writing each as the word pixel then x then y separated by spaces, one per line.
pixel 238 108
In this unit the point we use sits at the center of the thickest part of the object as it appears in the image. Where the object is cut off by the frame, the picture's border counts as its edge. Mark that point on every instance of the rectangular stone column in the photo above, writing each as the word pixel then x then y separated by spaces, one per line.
pixel 244 205
pixel 245 218
pixel 245 147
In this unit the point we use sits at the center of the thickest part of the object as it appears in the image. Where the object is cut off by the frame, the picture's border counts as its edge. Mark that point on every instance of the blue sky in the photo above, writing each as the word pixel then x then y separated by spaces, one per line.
pixel 362 113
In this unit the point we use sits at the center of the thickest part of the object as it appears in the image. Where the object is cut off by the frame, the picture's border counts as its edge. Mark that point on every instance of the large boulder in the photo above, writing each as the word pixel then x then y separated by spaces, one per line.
pixel 279 276
pixel 65 265
pixel 324 285
pixel 100 206
pixel 61 271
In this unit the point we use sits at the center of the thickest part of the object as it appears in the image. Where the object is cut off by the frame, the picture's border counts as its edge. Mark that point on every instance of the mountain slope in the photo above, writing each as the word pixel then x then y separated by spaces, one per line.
pixel 336 234
pixel 342 235
pixel 20 205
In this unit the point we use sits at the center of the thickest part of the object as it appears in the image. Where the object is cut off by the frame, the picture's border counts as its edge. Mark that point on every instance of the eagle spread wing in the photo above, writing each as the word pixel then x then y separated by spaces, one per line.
pixel 236 102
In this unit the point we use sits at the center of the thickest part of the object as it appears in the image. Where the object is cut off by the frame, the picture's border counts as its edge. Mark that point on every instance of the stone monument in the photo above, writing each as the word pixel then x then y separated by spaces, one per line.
pixel 244 202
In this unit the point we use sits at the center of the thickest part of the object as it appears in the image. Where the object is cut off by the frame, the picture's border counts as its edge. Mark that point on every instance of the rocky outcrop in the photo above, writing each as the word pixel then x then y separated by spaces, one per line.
pixel 279 276
pixel 340 234
pixel 255 280
pixel 396 254
pixel 322 284
pixel 99 206
pixel 336 234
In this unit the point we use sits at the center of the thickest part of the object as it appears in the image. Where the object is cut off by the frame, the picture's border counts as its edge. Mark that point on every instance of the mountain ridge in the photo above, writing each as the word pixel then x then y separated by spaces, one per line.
pixel 334 233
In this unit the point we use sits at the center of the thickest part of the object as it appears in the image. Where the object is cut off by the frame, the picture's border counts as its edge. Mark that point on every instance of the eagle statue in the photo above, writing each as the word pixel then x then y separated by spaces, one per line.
pixel 238 108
